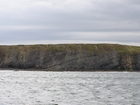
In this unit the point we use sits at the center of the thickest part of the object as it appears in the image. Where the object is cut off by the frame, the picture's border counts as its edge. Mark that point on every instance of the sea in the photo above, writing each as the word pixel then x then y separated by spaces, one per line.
pixel 69 88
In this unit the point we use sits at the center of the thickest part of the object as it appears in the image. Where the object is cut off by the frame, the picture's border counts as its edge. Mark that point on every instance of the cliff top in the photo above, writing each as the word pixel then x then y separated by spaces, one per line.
pixel 90 48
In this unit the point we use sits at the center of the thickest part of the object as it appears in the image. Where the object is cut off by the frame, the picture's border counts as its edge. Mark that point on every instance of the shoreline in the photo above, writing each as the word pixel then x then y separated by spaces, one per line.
pixel 70 57
pixel 32 69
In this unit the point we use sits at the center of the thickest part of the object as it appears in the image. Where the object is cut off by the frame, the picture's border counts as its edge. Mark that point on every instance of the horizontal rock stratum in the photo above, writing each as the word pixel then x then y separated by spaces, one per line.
pixel 71 57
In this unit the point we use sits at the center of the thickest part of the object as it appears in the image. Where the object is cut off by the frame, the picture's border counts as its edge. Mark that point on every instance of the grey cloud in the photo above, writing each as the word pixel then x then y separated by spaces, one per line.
pixel 133 1
pixel 49 20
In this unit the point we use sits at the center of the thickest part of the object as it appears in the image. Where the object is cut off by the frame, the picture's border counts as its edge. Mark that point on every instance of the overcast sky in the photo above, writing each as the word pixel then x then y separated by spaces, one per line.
pixel 69 21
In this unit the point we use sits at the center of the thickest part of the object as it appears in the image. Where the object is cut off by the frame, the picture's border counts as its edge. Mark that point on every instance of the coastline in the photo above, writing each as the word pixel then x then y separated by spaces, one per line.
pixel 70 57
pixel 44 70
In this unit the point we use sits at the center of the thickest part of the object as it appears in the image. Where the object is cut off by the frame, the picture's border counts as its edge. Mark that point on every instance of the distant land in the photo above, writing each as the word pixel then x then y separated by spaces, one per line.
pixel 71 57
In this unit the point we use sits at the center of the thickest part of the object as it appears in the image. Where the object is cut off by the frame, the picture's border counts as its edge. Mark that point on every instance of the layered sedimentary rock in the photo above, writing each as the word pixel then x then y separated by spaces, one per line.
pixel 71 57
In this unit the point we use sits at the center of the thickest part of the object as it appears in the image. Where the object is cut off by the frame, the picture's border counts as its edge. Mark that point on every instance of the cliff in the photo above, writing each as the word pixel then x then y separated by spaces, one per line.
pixel 73 57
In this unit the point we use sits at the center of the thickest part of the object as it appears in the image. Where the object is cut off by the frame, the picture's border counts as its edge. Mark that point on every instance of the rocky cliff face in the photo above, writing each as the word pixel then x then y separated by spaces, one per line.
pixel 71 57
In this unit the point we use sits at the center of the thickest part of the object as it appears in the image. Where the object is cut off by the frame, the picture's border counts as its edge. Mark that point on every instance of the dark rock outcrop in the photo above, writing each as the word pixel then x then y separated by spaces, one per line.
pixel 71 57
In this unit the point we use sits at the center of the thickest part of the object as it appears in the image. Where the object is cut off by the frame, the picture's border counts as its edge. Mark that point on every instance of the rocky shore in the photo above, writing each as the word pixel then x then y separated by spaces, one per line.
pixel 71 57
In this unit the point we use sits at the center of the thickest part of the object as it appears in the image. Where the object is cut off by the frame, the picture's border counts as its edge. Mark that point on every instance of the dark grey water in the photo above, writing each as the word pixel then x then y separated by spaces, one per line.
pixel 69 88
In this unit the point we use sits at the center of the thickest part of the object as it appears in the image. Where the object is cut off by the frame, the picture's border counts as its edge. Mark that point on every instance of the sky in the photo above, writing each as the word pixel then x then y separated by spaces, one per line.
pixel 69 21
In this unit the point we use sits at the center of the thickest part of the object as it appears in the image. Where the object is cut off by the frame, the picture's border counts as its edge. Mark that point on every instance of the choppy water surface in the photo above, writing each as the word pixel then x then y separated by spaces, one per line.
pixel 69 88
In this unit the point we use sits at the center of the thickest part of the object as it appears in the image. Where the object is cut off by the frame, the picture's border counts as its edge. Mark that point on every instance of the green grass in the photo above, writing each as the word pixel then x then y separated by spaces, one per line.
pixel 90 48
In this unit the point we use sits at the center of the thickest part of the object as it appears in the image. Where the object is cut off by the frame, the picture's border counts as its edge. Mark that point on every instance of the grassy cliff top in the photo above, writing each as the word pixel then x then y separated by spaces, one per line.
pixel 90 48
